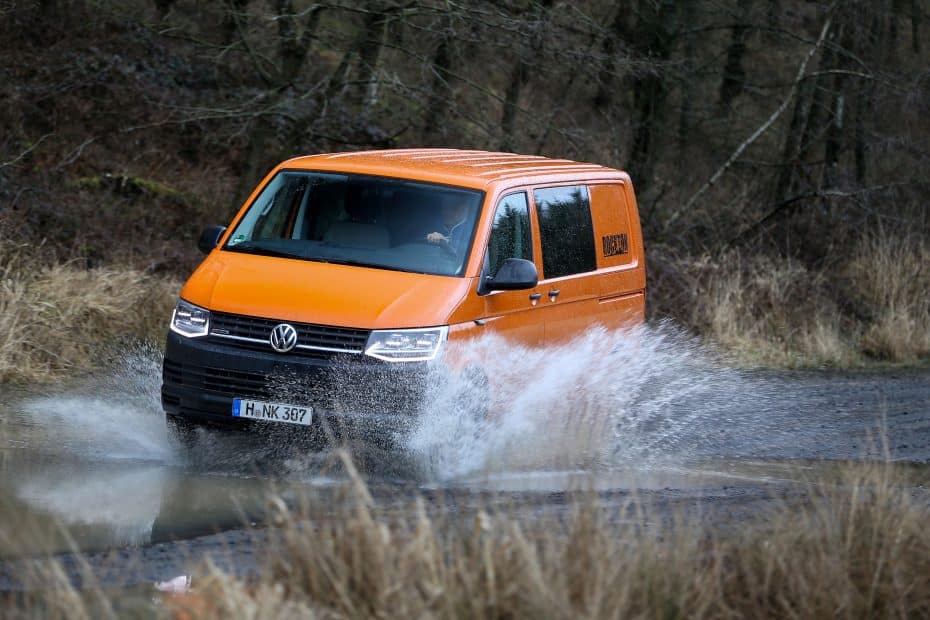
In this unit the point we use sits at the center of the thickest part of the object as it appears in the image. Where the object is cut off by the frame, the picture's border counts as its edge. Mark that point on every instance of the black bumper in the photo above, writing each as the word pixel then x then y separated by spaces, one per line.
pixel 202 376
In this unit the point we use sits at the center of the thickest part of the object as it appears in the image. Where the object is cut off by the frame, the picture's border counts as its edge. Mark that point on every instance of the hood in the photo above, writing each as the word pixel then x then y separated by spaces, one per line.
pixel 322 293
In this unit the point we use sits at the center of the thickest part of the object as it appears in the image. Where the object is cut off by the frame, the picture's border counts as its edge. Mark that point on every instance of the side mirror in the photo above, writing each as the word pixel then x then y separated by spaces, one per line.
pixel 209 238
pixel 513 275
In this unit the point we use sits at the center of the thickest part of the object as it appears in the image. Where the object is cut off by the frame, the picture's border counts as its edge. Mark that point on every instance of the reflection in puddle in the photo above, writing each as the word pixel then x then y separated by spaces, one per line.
pixel 125 503
pixel 706 475
pixel 62 506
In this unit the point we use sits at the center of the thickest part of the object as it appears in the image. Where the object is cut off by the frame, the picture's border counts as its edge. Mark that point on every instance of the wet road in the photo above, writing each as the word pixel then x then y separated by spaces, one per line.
pixel 91 469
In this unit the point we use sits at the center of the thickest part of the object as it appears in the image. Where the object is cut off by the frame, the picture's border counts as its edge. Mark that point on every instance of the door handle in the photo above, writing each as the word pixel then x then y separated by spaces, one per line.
pixel 553 294
pixel 535 296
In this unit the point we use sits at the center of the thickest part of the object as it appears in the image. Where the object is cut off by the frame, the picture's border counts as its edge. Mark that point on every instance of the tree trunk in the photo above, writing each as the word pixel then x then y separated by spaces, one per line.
pixel 734 74
pixel 616 34
pixel 915 26
pixel 293 46
pixel 368 47
pixel 774 14
pixel 865 102
pixel 833 142
pixel 689 17
pixel 655 33
pixel 441 87
pixel 863 110
pixel 519 74
pixel 233 19
pixel 806 126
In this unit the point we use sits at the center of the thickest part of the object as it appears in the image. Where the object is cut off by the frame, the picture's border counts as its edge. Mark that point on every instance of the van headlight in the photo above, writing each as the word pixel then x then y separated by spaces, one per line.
pixel 406 345
pixel 189 320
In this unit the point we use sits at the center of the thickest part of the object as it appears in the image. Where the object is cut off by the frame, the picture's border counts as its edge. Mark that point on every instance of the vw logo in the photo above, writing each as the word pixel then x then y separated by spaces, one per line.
pixel 283 338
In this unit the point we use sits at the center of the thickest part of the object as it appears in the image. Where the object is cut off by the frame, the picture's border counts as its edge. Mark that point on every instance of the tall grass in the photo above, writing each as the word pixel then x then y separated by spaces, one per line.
pixel 57 319
pixel 889 280
pixel 872 305
pixel 856 545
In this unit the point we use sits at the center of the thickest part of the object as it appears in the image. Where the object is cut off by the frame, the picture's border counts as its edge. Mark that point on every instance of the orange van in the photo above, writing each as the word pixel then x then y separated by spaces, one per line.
pixel 350 268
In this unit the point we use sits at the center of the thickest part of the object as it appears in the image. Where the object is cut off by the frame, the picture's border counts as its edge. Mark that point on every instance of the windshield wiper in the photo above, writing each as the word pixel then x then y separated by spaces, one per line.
pixel 247 248
pixel 360 263
pixel 263 251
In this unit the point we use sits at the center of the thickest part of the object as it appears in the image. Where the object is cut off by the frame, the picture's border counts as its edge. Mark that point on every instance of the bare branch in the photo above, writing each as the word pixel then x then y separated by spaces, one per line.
pixel 24 153
pixel 828 22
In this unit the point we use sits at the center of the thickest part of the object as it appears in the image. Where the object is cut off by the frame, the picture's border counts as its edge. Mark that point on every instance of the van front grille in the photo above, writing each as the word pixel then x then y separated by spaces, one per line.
pixel 328 338
pixel 222 381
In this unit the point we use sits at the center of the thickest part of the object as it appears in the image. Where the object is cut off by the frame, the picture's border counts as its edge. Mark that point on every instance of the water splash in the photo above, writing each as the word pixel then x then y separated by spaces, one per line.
pixel 116 415
pixel 606 399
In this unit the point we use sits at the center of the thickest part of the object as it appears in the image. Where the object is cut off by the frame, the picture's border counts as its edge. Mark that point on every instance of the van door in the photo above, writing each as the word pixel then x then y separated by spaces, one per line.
pixel 510 313
pixel 569 282
pixel 620 255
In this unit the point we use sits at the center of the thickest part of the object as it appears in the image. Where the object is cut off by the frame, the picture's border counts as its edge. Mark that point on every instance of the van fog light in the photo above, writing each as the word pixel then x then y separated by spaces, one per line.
pixel 406 345
pixel 189 320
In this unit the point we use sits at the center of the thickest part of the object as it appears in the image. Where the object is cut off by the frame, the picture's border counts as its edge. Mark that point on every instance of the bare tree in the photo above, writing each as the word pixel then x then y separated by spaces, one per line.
pixel 537 17
pixel 734 74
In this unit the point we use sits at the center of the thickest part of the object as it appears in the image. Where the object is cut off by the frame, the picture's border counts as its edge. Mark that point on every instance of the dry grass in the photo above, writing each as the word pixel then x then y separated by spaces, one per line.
pixel 775 312
pixel 58 319
pixel 856 546
pixel 890 284
pixel 874 306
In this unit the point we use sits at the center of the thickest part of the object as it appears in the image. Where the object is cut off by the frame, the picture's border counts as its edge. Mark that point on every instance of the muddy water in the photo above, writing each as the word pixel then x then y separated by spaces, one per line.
pixel 90 467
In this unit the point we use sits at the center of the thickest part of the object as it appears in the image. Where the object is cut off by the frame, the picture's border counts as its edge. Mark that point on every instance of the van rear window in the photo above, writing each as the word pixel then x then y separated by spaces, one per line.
pixel 361 220
pixel 565 230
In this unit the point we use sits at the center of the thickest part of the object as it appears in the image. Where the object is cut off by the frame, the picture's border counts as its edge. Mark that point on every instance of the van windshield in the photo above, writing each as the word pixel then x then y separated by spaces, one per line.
pixel 361 220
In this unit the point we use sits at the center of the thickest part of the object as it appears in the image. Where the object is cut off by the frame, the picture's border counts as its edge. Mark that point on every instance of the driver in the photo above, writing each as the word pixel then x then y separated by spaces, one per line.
pixel 450 231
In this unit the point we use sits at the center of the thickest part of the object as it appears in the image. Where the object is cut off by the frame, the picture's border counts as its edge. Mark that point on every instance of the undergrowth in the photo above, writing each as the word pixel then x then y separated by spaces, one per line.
pixel 874 306
pixel 61 319
pixel 856 545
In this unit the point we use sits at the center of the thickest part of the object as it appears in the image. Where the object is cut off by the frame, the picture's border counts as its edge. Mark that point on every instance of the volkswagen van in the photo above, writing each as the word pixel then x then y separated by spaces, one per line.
pixel 350 273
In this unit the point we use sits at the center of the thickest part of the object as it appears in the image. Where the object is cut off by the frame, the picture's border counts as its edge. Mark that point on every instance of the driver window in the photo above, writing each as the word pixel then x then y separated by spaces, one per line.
pixel 510 236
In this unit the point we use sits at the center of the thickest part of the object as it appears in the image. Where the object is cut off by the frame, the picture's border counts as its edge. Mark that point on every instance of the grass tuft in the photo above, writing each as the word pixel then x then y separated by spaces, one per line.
pixel 890 282
pixel 58 319
pixel 874 306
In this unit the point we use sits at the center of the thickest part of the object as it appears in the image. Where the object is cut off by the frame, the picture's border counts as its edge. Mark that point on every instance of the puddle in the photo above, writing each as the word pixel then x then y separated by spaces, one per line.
pixel 91 467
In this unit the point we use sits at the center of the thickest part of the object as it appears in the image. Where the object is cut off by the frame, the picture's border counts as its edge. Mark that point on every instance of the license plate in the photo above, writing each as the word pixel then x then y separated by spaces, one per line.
pixel 271 412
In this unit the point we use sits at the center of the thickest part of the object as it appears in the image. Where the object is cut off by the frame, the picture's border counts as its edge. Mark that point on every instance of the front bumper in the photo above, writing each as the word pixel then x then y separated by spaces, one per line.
pixel 201 376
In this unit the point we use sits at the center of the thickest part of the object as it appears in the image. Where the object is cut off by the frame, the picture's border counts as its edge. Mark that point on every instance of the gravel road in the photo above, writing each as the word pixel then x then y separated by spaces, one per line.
pixel 125 504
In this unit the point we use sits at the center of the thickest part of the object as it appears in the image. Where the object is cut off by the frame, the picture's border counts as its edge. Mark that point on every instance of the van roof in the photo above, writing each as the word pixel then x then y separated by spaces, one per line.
pixel 476 169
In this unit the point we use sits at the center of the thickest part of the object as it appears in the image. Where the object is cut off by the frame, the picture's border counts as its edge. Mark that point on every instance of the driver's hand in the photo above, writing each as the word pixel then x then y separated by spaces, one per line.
pixel 435 237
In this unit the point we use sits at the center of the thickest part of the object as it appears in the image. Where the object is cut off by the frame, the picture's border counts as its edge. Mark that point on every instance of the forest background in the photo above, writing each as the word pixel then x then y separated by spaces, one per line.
pixel 779 148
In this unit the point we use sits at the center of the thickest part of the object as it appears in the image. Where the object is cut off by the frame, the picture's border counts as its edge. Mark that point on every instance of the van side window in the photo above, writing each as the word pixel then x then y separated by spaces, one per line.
pixel 565 230
pixel 510 236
